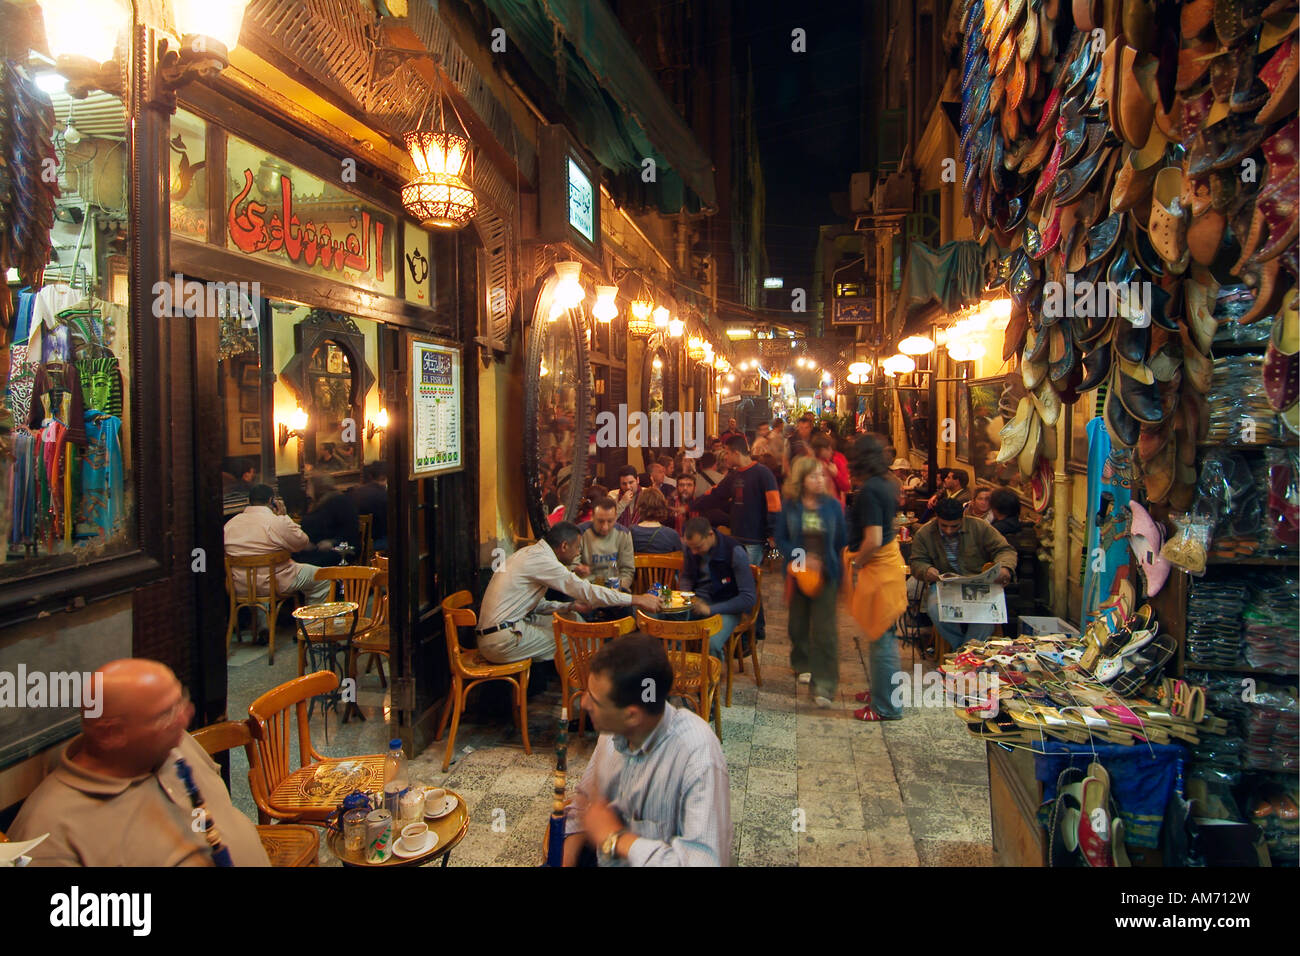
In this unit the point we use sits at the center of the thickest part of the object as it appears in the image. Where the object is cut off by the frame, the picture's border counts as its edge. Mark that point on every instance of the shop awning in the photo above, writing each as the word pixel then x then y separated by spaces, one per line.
pixel 947 279
pixel 622 115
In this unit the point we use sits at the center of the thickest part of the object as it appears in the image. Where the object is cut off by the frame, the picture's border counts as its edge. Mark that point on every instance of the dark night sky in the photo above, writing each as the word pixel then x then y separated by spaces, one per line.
pixel 807 117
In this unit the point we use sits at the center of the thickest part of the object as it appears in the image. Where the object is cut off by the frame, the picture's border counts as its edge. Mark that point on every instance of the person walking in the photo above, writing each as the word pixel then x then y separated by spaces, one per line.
pixel 880 595
pixel 811 534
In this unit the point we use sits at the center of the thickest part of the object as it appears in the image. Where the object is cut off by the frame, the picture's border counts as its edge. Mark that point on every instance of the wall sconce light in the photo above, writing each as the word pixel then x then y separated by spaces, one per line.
pixel 676 328
pixel 296 427
pixel 657 363
pixel 662 318
pixel 380 424
pixel 82 37
pixel 606 308
pixel 568 291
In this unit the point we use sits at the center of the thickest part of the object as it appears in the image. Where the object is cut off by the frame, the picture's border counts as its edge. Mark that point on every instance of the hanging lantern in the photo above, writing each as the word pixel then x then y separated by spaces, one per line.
pixel 676 328
pixel 695 348
pixel 899 365
pixel 440 195
pixel 916 345
pixel 707 358
pixel 639 322
pixel 605 309
pixel 965 351
pixel 568 291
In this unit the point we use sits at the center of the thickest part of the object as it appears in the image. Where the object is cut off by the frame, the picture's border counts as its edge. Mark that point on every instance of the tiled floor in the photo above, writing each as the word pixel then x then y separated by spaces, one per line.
pixel 809 787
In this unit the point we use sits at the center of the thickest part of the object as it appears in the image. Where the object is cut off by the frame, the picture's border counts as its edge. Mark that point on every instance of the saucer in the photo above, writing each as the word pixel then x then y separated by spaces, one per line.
pixel 448 805
pixel 430 841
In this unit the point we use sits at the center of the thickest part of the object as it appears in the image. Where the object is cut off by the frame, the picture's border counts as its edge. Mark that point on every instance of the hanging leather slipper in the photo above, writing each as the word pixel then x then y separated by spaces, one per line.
pixel 1095 824
pixel 1146 539
pixel 1282 359
pixel 1064 826
pixel 1168 224
pixel 1123 427
pixel 1137 96
pixel 1140 399
pixel 1280 76
pixel 1015 433
pixel 1096 368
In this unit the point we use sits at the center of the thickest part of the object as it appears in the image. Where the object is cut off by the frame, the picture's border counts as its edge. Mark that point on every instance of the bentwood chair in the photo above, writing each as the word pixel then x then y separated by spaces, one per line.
pixel 311 792
pixel 748 625
pixel 652 569
pixel 373 641
pixel 576 643
pixel 356 582
pixel 696 673
pixel 286 844
pixel 244 571
pixel 469 669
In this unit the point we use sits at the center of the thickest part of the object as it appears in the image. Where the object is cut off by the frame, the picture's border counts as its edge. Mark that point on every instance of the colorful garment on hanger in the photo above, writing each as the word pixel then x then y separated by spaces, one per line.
pixel 22 376
pixel 101 511
pixel 1110 488
pixel 56 398
pixel 101 385
pixel 22 489
pixel 50 481
pixel 56 345
pixel 52 300
pixel 23 317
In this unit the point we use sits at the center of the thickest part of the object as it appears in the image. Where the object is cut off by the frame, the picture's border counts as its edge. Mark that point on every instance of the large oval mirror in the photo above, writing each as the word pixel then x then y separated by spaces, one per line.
pixel 557 410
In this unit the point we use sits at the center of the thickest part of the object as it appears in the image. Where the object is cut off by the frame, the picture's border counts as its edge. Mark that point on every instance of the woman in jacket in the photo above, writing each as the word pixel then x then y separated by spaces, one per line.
pixel 880 596
pixel 811 534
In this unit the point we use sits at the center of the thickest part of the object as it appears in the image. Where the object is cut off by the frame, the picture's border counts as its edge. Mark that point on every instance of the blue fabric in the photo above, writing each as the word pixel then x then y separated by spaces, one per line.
pixel 102 482
pixel 728 587
pixel 1107 474
pixel 1142 779
pixel 23 318
pixel 789 533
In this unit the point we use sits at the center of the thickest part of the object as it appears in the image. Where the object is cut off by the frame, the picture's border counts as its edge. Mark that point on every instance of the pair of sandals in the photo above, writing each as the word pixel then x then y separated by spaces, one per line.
pixel 1085 823
pixel 1183 700
pixel 868 713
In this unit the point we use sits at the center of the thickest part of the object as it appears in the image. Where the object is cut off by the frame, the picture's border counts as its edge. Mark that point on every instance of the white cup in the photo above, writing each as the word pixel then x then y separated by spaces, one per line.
pixel 413 836
pixel 433 799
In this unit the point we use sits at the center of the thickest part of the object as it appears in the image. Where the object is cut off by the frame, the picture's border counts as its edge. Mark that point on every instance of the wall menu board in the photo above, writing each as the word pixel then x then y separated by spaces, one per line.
pixel 436 407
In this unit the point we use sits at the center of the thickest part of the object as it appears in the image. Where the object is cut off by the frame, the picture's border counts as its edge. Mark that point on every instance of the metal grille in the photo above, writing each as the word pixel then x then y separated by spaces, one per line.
pixel 502 290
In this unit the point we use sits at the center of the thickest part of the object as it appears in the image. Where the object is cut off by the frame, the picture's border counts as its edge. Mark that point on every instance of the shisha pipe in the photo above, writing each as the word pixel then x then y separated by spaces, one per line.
pixel 555 835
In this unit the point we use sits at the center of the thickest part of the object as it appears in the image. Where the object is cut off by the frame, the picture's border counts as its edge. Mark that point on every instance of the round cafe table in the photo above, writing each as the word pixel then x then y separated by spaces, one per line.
pixel 325 631
pixel 450 830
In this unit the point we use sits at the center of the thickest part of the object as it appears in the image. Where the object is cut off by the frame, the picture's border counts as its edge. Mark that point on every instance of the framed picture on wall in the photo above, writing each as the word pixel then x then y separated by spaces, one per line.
pixel 250 430
pixel 250 375
pixel 963 422
pixel 249 400
pixel 1081 412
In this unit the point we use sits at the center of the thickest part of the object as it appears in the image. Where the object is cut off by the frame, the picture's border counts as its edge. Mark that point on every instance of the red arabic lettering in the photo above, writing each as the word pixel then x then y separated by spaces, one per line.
pixel 300 241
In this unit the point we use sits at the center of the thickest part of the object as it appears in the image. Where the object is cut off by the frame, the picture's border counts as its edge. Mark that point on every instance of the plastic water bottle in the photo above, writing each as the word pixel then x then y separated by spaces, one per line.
pixel 396 779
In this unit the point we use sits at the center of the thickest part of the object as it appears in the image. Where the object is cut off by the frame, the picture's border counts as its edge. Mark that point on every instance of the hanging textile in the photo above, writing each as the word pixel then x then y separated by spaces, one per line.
pixel 101 385
pixel 100 512
pixel 22 489
pixel 952 276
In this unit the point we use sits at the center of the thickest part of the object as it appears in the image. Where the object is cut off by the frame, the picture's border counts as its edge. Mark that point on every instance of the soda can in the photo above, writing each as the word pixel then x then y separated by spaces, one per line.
pixel 379 836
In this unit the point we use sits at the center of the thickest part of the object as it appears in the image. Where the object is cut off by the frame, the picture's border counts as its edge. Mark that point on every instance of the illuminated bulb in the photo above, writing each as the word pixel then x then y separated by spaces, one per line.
pixel 676 328
pixel 568 291
pixel 829 392
pixel 218 19
pixel 605 309
pixel 298 420
pixel 731 377
pixel 657 364
pixel 84 29
pixel 916 345
pixel 557 310
pixel 381 420
pixel 860 368
pixel 662 318
pixel 641 309
pixel 725 390
pixel 545 371
pixel 966 351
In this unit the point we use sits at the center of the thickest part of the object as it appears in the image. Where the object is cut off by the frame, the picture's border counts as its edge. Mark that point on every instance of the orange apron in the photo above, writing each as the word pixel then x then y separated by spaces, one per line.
pixel 880 595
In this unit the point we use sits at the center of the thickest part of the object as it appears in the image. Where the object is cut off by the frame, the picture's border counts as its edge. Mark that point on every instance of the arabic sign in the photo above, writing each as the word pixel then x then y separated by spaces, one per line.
pixel 416 265
pixel 281 214
pixel 581 202
pixel 436 409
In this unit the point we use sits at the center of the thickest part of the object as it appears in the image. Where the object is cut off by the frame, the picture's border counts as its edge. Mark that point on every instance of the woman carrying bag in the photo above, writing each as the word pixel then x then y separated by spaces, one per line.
pixel 811 535
pixel 880 595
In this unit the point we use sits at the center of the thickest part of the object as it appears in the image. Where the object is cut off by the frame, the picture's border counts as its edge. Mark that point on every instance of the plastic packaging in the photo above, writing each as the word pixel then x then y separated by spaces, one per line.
pixel 1189 546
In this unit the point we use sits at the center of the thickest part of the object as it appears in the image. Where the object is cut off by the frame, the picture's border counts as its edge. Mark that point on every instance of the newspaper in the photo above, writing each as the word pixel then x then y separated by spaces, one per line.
pixel 972 599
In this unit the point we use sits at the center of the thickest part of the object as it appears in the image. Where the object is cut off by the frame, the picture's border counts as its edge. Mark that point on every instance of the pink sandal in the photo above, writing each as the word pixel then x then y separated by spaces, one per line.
pixel 870 716
pixel 863 697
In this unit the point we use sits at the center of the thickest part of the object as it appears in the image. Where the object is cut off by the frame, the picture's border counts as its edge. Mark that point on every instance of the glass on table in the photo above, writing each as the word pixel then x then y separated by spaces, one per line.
pixel 412 804
pixel 354 831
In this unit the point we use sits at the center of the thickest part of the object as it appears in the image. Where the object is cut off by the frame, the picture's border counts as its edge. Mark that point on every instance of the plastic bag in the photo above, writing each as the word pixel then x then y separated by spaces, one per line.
pixel 1188 547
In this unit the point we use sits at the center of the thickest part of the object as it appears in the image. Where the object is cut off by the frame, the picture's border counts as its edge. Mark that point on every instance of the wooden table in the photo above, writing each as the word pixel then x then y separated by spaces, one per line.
pixel 450 830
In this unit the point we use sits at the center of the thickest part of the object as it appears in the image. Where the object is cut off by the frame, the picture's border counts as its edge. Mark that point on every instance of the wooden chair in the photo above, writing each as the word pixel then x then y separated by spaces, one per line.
pixel 469 669
pixel 245 569
pixel 652 569
pixel 357 581
pixel 748 625
pixel 374 640
pixel 286 844
pixel 282 793
pixel 576 643
pixel 696 674
pixel 365 525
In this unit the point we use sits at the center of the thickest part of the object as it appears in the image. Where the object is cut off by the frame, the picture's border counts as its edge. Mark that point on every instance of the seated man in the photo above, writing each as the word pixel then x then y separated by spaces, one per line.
pixel 514 623
pixel 606 554
pixel 956 544
pixel 655 791
pixel 119 794
pixel 260 530
pixel 716 568
pixel 371 498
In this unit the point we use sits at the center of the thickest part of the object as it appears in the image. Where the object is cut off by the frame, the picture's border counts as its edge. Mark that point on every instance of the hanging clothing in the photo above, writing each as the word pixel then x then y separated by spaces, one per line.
pixel 101 384
pixel 102 491
pixel 50 480
pixel 23 317
pixel 22 489
pixel 55 396
pixel 52 300
pixel 22 375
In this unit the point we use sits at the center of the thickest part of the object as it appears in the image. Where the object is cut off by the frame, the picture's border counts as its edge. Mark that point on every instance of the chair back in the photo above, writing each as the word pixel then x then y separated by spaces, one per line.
pixel 268 720
pixel 456 613
pixel 365 524
pixel 750 616
pixel 576 643
pixel 652 569
pixel 222 736
pixel 244 571
pixel 380 562
pixel 356 580
pixel 687 645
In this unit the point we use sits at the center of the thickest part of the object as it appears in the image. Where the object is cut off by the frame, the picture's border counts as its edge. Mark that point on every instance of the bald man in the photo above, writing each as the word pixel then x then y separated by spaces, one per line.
pixel 119 796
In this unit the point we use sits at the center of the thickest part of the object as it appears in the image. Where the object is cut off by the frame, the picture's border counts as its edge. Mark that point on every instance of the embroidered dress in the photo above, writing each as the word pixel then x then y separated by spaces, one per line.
pixel 100 510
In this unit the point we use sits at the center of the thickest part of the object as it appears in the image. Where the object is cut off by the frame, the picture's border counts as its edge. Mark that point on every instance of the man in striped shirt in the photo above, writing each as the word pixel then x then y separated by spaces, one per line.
pixel 656 791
